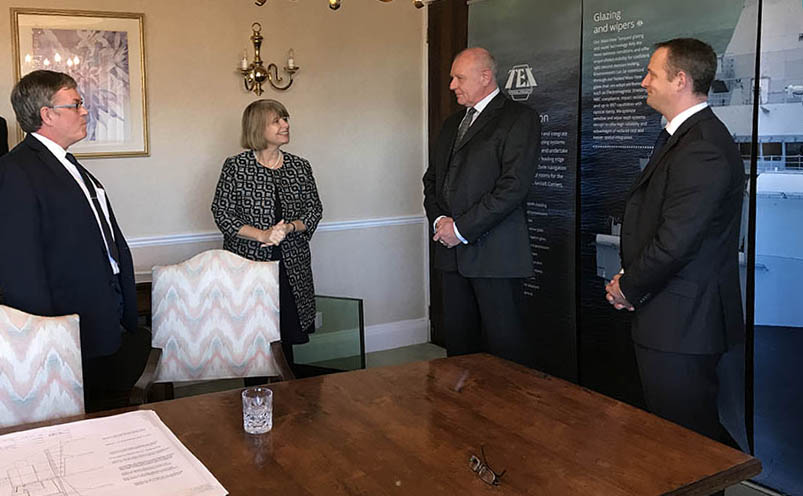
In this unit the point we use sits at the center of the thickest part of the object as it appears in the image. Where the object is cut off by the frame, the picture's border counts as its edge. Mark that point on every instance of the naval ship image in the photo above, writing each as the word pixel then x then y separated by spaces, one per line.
pixel 779 186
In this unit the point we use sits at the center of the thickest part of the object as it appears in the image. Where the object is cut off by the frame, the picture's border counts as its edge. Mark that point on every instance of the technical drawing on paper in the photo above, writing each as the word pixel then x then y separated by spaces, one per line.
pixel 47 473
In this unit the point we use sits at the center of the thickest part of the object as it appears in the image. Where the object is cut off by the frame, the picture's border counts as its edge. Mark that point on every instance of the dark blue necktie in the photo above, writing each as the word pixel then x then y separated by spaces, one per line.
pixel 111 246
pixel 663 136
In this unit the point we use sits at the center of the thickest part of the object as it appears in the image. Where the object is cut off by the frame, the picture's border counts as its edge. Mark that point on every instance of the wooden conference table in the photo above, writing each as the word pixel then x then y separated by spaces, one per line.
pixel 411 429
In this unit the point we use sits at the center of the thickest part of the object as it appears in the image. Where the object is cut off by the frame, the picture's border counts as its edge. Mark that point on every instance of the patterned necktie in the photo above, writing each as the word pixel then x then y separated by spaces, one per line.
pixel 462 129
pixel 464 125
pixel 663 136
pixel 111 246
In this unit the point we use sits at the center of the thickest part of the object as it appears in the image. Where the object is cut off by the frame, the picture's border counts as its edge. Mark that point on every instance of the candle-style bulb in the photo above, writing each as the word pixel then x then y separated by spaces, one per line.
pixel 244 61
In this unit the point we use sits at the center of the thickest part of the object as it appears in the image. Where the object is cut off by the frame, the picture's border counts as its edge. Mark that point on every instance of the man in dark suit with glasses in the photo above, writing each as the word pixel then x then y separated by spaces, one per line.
pixel 63 251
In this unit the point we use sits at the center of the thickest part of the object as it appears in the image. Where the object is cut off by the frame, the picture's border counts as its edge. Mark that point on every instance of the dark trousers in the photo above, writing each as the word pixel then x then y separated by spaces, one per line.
pixel 485 315
pixel 289 322
pixel 683 388
pixel 108 379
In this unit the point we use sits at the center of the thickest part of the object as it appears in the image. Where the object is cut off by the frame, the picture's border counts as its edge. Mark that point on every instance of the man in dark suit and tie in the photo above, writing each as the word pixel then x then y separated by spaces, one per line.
pixel 680 244
pixel 63 251
pixel 475 189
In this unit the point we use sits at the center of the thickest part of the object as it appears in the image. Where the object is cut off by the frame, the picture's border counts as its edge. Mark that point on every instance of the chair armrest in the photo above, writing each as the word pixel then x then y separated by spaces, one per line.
pixel 139 393
pixel 285 372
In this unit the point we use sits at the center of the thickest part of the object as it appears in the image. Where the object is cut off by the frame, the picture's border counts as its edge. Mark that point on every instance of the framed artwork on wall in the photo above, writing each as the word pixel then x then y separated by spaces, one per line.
pixel 105 53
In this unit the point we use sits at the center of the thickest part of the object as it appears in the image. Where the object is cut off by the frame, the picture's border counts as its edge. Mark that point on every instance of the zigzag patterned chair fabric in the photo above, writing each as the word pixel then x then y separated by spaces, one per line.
pixel 40 370
pixel 215 316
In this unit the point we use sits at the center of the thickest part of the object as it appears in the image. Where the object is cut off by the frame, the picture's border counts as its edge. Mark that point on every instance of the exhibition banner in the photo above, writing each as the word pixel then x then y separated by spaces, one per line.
pixel 618 131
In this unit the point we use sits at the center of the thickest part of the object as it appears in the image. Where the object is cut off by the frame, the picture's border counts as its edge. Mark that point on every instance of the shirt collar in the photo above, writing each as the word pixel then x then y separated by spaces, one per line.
pixel 679 119
pixel 51 145
pixel 480 106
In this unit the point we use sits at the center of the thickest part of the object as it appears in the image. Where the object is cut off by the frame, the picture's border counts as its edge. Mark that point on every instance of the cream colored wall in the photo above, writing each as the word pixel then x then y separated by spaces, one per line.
pixel 358 114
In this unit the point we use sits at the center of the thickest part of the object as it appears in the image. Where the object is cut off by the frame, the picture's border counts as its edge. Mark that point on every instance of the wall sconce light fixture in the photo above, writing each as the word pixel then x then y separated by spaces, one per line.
pixel 255 74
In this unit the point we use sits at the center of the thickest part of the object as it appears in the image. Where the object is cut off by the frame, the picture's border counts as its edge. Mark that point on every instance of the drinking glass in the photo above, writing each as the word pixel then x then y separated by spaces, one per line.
pixel 257 410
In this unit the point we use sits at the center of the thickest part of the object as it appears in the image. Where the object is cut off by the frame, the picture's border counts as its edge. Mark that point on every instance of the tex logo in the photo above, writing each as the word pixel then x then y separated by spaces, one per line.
pixel 520 82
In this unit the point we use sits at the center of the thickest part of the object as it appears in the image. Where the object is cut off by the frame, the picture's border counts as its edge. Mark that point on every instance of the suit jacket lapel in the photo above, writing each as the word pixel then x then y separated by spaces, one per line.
pixel 654 161
pixel 494 106
pixel 444 152
pixel 50 160
pixel 670 143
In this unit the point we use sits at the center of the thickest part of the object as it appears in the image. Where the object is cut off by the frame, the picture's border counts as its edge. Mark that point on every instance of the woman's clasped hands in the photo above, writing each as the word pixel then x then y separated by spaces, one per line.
pixel 276 234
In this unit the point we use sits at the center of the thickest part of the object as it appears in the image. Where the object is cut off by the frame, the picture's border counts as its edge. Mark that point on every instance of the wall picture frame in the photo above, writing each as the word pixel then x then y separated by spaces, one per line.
pixel 105 53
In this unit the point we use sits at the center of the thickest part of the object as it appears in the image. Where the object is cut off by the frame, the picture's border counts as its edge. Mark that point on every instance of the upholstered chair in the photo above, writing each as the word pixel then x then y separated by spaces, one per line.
pixel 40 367
pixel 216 316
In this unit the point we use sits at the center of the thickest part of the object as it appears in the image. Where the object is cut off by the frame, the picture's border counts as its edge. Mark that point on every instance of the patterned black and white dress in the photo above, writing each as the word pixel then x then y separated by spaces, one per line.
pixel 246 195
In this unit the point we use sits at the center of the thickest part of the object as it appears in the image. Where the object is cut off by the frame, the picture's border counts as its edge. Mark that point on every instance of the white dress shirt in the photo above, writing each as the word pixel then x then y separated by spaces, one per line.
pixel 61 154
pixel 480 106
pixel 679 119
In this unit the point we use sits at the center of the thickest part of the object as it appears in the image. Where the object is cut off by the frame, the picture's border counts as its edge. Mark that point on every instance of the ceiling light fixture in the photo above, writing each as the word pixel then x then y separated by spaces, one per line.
pixel 335 4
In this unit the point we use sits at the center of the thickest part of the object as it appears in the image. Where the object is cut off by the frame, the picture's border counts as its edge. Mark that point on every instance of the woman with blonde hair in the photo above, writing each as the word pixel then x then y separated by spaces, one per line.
pixel 267 207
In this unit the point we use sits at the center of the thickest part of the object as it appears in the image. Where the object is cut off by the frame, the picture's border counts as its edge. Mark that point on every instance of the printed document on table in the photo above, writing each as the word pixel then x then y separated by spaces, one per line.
pixel 128 454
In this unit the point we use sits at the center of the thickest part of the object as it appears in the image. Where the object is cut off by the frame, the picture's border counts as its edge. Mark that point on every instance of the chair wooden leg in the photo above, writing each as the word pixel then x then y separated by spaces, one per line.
pixel 139 393
pixel 285 371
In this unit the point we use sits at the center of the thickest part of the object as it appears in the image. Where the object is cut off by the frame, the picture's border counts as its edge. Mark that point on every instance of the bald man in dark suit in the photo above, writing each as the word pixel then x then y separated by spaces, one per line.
pixel 475 190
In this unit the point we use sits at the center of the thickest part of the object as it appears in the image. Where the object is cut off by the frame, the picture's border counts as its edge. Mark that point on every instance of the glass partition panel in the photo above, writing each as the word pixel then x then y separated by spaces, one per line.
pixel 338 342
pixel 779 250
